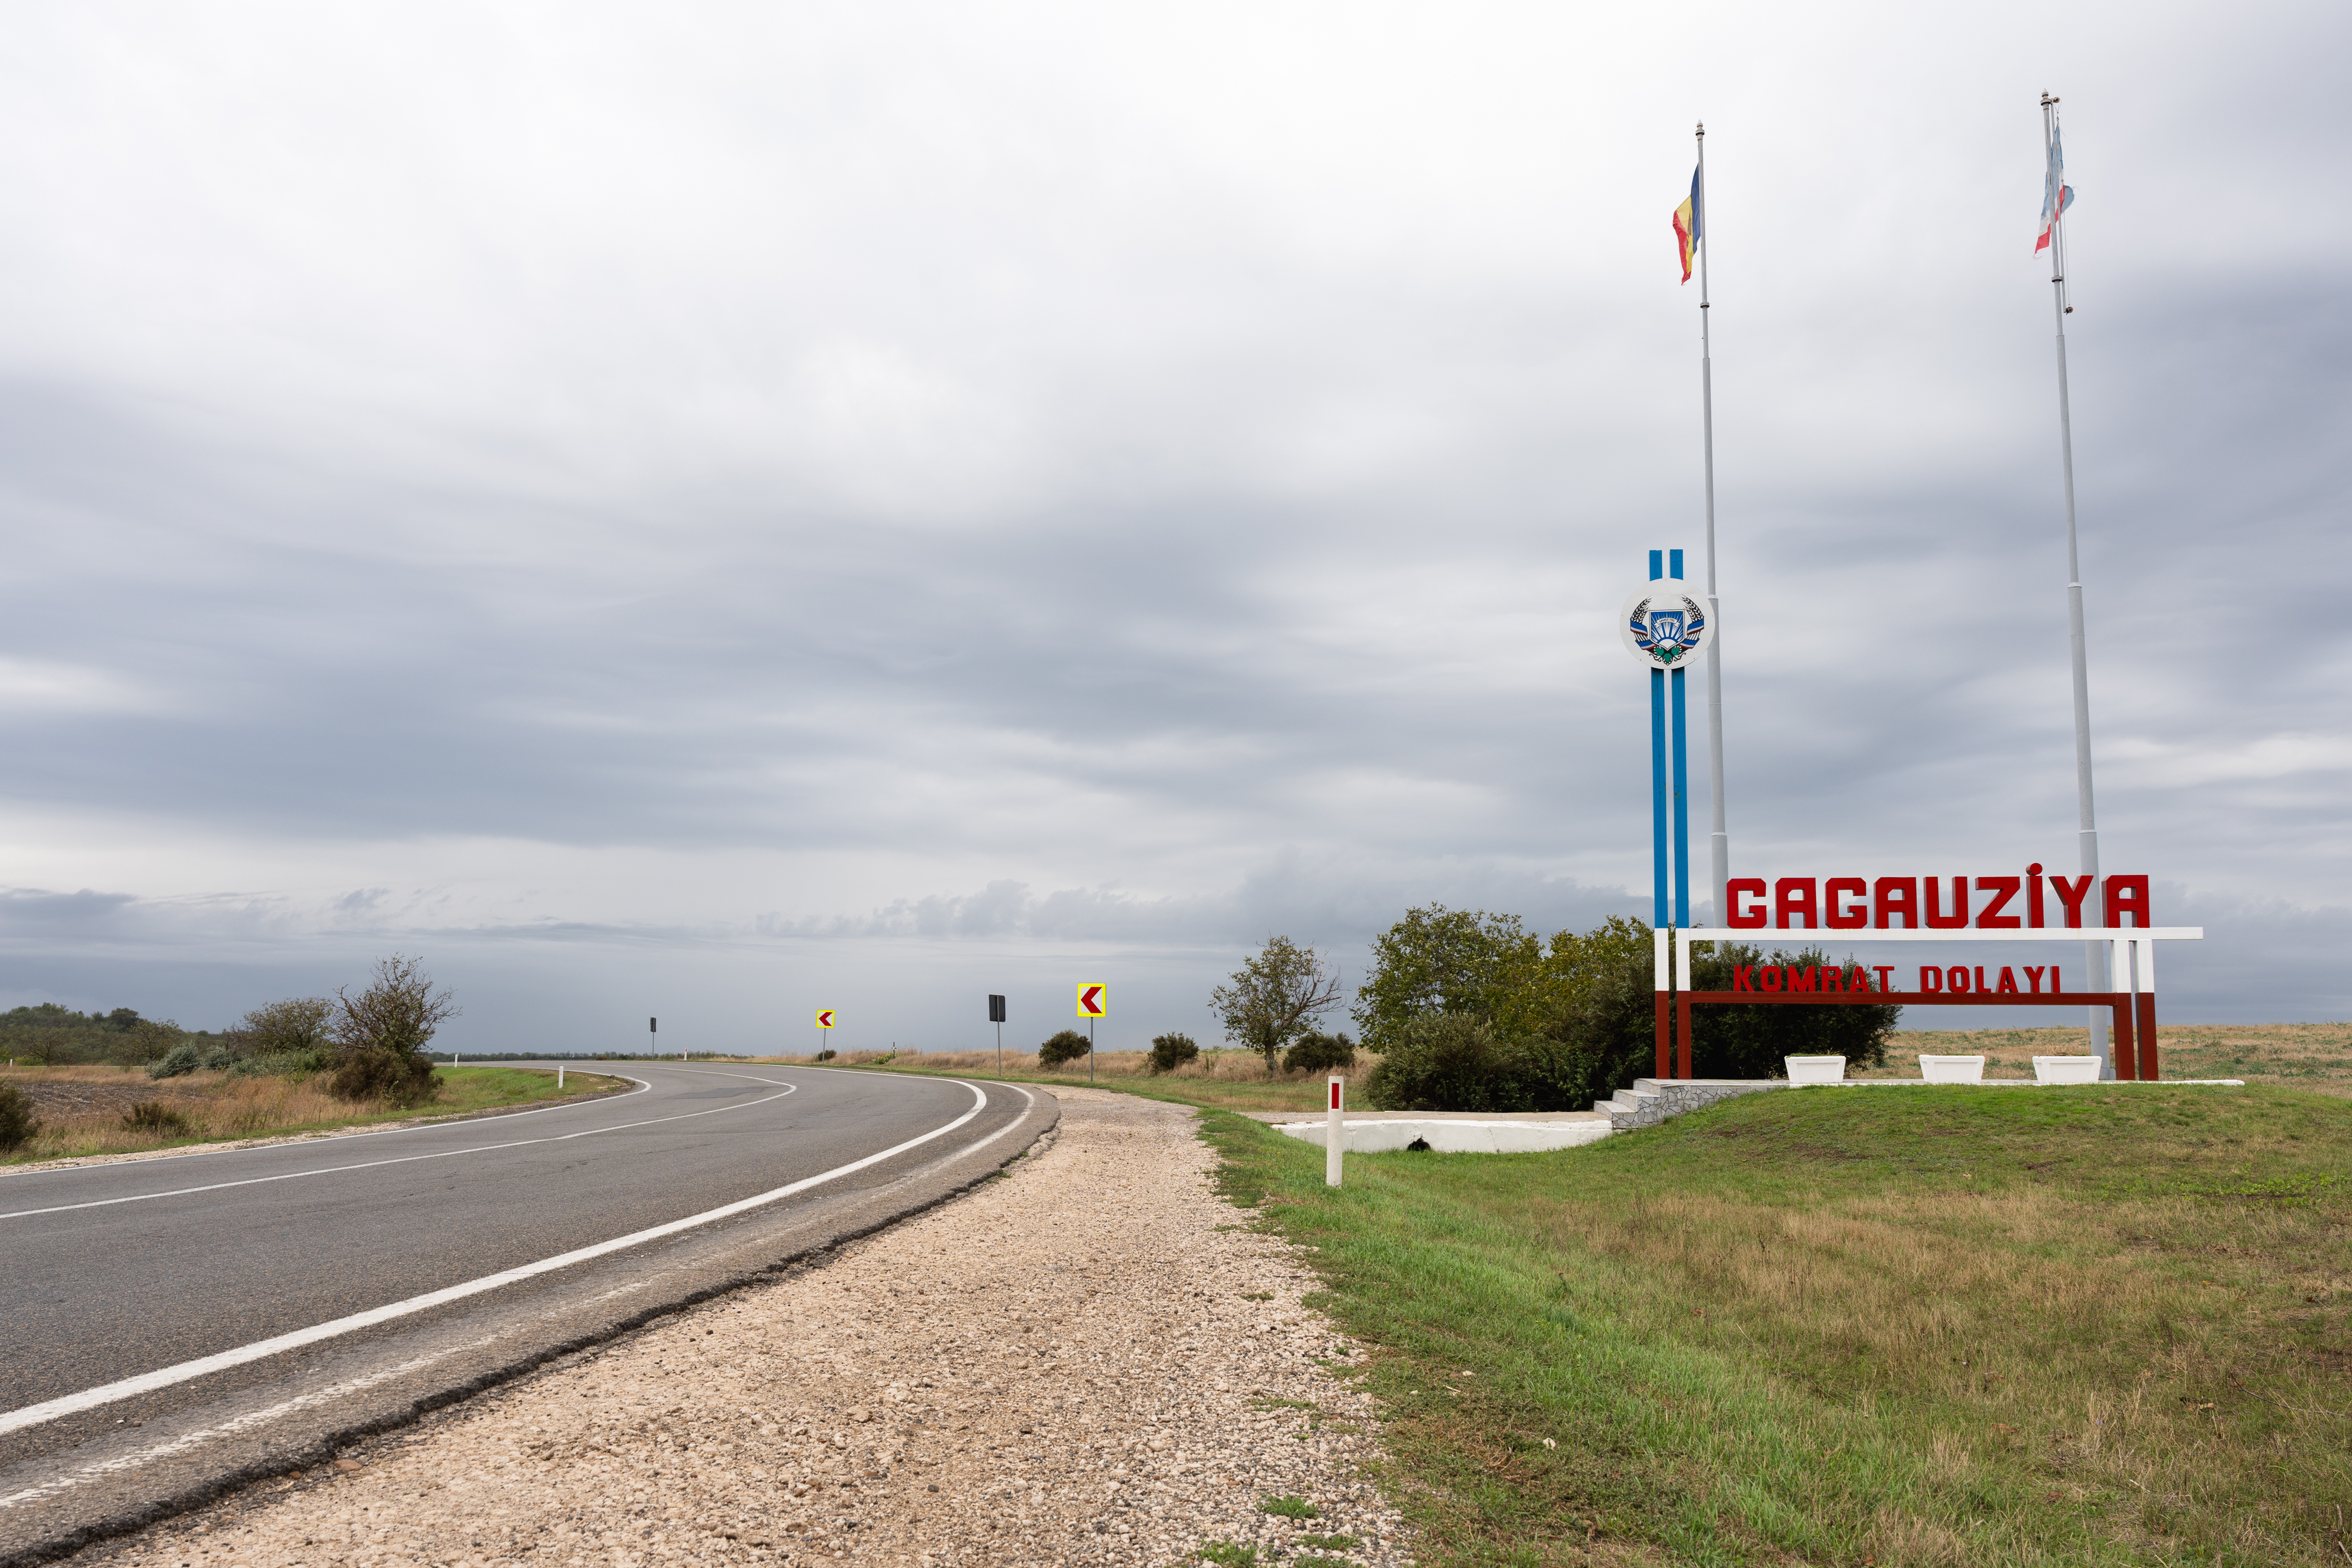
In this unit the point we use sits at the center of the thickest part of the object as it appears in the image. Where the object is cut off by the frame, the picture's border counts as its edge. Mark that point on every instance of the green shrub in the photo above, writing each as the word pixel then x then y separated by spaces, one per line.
pixel 1750 1040
pixel 154 1116
pixel 18 1127
pixel 1319 1053
pixel 401 1077
pixel 283 1064
pixel 1068 1046
pixel 1172 1050
pixel 1447 1061
pixel 192 1056
pixel 827 1054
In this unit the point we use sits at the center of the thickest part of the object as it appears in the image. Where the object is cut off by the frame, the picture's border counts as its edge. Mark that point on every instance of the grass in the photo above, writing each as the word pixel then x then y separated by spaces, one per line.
pixel 206 1107
pixel 1943 1326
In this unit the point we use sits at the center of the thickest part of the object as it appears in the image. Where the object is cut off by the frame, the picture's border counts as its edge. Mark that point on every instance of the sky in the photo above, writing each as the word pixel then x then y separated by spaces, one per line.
pixel 719 511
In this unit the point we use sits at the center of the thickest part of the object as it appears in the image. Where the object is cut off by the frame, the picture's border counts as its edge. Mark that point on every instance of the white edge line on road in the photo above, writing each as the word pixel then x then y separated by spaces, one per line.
pixel 250 1419
pixel 163 1378
pixel 402 1160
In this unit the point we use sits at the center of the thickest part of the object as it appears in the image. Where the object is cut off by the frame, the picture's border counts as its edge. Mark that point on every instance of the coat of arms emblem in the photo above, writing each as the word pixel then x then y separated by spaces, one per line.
pixel 1666 627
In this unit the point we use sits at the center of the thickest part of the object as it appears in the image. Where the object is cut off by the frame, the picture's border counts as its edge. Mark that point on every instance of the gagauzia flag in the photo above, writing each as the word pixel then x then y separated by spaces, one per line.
pixel 2056 197
pixel 1687 224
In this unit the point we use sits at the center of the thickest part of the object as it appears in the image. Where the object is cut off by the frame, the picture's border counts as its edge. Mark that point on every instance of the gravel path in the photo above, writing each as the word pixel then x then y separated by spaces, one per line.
pixel 1088 1361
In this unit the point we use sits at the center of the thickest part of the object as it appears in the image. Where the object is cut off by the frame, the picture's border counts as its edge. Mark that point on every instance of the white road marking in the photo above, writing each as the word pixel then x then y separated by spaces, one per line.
pixel 164 1377
pixel 402 1160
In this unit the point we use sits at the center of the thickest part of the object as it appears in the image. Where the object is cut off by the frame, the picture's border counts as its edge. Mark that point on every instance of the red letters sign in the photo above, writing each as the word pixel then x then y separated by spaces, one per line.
pixel 1937 904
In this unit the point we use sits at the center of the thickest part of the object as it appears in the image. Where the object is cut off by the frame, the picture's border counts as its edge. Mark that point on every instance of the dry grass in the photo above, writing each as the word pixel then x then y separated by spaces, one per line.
pixel 2293 1055
pixel 81 1109
pixel 1227 1079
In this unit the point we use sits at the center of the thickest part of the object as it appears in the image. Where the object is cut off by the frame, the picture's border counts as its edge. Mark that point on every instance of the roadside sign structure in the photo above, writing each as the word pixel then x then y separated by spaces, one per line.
pixel 1093 1002
pixel 996 1017
pixel 1664 627
pixel 826 1018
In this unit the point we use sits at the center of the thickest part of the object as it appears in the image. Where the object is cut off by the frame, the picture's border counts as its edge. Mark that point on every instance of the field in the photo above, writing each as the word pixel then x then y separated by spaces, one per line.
pixel 1940 1326
pixel 2298 1055
pixel 82 1109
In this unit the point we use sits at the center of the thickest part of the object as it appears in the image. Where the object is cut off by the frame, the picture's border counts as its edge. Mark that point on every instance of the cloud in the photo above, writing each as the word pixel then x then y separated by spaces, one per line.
pixel 766 501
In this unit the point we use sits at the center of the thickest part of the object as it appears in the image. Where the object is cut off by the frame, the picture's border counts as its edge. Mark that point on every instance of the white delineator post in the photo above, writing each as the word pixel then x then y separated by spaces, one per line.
pixel 1335 1136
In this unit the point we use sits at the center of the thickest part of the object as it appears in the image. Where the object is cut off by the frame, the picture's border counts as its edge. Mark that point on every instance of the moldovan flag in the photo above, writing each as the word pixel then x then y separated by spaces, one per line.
pixel 2057 194
pixel 1687 226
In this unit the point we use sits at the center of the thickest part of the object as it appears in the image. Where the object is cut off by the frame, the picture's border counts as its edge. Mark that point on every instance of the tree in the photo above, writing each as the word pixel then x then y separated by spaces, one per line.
pixel 380 1035
pixel 1277 997
pixel 296 1026
pixel 1490 967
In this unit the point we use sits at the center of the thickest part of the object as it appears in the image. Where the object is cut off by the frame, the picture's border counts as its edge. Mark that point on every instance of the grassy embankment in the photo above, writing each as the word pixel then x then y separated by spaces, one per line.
pixel 1944 1326
pixel 82 1108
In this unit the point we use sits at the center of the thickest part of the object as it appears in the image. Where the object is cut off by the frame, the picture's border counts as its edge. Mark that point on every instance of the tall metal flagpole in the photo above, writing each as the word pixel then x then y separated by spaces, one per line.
pixel 2094 953
pixel 1719 841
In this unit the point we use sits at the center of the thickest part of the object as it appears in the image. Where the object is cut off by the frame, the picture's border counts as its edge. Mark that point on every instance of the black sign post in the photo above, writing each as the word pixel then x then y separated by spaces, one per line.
pixel 996 1017
pixel 653 1032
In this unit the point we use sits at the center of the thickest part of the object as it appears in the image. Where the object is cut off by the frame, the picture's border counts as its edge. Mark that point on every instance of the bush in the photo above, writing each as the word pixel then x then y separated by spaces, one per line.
pixel 1172 1050
pixel 154 1116
pixel 1450 1061
pixel 192 1056
pixel 380 1035
pixel 299 1024
pixel 401 1077
pixel 1319 1053
pixel 17 1124
pixel 283 1064
pixel 1068 1046
pixel 827 1054
pixel 1749 1041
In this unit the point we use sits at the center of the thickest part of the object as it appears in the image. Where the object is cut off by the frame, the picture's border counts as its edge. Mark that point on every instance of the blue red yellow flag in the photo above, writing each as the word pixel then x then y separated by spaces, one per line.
pixel 2057 194
pixel 1688 220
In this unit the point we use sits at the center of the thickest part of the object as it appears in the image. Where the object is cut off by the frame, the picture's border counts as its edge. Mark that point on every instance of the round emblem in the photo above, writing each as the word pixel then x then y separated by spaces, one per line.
pixel 1665 624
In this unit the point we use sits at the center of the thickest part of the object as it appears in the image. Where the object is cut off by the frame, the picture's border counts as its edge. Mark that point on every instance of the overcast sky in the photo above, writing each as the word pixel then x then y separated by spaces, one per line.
pixel 717 511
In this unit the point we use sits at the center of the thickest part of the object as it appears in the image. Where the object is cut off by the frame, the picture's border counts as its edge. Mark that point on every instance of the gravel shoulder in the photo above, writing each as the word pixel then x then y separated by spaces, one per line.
pixel 1089 1360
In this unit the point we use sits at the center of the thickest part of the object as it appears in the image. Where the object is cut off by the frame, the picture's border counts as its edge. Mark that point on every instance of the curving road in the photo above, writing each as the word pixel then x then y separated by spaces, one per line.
pixel 174 1325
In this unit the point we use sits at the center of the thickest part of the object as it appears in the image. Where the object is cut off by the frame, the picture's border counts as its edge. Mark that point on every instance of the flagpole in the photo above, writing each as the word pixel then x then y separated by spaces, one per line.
pixel 1719 840
pixel 2094 953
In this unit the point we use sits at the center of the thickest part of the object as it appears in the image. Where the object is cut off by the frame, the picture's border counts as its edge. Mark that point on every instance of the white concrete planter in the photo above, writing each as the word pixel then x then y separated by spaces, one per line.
pixel 1952 1068
pixel 1816 1069
pixel 2065 1069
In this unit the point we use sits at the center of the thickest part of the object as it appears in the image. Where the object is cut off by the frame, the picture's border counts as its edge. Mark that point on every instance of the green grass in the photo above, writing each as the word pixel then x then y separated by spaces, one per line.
pixel 1930 1326
pixel 1287 1507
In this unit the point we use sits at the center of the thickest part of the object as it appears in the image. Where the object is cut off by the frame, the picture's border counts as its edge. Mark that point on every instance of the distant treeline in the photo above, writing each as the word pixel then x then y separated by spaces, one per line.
pixel 60 1037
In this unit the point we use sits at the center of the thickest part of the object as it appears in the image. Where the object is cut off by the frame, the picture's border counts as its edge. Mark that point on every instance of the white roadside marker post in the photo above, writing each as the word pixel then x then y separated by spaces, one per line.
pixel 558 1077
pixel 1334 1137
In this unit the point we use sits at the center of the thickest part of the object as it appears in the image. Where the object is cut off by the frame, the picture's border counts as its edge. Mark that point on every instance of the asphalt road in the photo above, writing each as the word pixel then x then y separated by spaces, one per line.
pixel 139 1301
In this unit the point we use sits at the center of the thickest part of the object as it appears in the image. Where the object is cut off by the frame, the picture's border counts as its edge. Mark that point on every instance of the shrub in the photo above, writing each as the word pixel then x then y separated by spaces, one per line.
pixel 299 1024
pixel 192 1056
pixel 827 1054
pixel 17 1124
pixel 1068 1046
pixel 283 1064
pixel 1172 1050
pixel 154 1116
pixel 402 1078
pixel 1449 1061
pixel 1319 1053
pixel 1749 1041
pixel 380 1035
